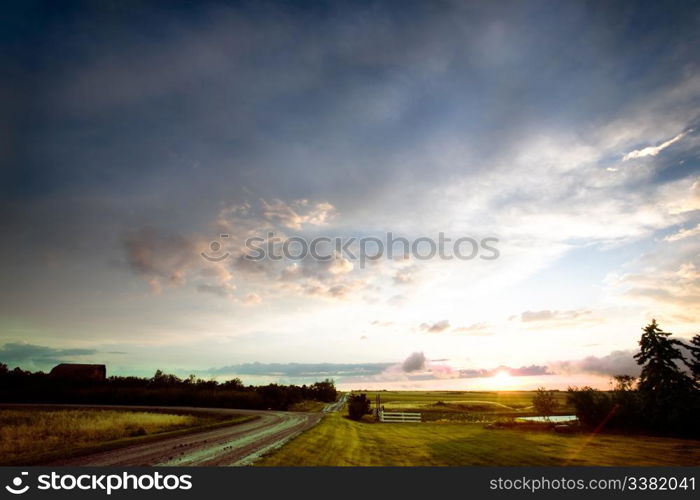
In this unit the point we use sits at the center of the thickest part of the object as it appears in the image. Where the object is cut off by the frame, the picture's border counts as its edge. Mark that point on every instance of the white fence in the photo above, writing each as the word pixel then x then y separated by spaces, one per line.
pixel 385 416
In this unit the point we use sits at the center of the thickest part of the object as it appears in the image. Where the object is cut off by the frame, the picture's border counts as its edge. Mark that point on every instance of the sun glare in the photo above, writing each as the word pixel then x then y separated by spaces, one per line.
pixel 501 379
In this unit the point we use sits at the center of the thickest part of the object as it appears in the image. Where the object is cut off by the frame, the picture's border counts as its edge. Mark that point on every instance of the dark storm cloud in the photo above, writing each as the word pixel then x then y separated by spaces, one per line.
pixel 178 108
pixel 413 363
pixel 271 94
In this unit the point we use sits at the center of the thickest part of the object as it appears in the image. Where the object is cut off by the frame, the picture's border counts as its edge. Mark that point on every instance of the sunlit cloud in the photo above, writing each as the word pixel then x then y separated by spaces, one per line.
pixel 653 150
pixel 437 327
pixel 547 315
pixel 683 234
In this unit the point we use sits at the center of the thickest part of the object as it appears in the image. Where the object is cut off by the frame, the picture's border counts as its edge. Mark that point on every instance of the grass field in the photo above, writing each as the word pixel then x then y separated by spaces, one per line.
pixel 338 441
pixel 482 406
pixel 30 435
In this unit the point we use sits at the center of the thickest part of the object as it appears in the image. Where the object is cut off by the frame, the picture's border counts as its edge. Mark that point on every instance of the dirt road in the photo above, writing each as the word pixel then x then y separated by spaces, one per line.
pixel 337 406
pixel 238 444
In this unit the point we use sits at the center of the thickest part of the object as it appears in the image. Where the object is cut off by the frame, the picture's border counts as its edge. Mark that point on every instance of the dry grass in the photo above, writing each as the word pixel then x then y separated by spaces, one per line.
pixel 29 433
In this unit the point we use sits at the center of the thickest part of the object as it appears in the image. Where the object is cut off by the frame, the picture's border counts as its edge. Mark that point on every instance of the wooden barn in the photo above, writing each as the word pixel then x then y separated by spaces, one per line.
pixel 79 371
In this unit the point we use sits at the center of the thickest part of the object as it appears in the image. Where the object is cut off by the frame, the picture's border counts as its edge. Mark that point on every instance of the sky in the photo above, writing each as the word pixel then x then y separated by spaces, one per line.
pixel 134 135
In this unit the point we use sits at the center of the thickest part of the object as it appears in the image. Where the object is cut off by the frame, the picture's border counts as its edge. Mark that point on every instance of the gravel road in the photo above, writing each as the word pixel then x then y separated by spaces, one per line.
pixel 239 444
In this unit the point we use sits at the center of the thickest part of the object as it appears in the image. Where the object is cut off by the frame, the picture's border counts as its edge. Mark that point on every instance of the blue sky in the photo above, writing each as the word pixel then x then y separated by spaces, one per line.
pixel 133 135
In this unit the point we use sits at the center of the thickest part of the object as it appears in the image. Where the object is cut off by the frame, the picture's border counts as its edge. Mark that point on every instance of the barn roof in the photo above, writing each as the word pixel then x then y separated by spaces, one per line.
pixel 79 370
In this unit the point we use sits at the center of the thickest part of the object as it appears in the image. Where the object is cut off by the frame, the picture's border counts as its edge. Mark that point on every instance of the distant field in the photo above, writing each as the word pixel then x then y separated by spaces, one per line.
pixel 338 441
pixel 467 405
pixel 32 435
pixel 512 399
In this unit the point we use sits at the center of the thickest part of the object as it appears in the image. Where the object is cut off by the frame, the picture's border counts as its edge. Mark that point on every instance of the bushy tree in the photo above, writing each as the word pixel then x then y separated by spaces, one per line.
pixel 235 384
pixel 545 402
pixel 592 407
pixel 626 403
pixel 324 391
pixel 358 406
pixel 161 379
pixel 619 408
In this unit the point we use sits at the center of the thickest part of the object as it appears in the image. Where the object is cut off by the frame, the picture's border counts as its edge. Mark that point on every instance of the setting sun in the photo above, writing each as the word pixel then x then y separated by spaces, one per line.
pixel 502 379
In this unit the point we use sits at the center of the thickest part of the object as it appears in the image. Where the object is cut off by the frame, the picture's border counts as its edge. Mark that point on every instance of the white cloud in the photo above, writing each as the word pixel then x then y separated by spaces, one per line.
pixel 653 150
pixel 666 283
pixel 224 290
pixel 476 329
pixel 683 234
pixel 547 315
pixel 252 299
pixel 296 214
pixel 437 327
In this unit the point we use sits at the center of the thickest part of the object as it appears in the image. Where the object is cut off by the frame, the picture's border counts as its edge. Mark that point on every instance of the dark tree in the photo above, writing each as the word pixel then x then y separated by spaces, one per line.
pixel 162 389
pixel 625 400
pixel 592 407
pixel 161 379
pixel 618 408
pixel 544 402
pixel 694 362
pixel 358 406
pixel 623 383
pixel 663 387
pixel 665 400
pixel 235 384
pixel 660 358
pixel 324 391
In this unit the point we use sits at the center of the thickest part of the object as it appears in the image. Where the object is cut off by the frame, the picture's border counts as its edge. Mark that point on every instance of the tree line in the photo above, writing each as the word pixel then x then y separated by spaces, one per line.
pixel 21 386
pixel 665 399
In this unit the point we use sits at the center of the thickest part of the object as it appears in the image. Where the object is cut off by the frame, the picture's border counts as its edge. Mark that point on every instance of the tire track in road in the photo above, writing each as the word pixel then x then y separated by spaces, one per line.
pixel 237 444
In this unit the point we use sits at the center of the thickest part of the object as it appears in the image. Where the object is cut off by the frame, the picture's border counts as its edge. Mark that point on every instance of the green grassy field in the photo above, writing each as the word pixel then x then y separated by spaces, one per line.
pixel 450 436
pixel 30 436
pixel 338 441
pixel 481 406
pixel 416 399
